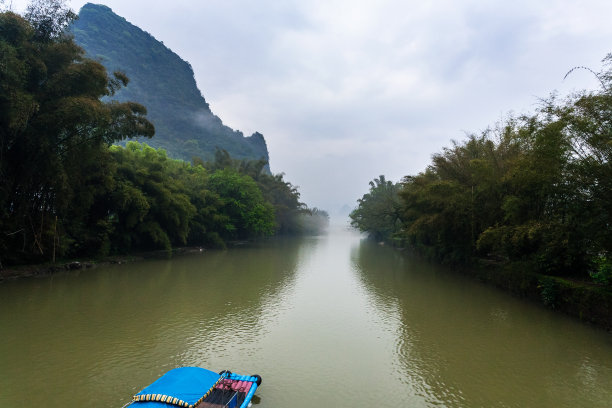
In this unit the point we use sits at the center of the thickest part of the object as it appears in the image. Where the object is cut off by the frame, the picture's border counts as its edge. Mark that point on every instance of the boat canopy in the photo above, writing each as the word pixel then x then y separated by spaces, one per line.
pixel 182 387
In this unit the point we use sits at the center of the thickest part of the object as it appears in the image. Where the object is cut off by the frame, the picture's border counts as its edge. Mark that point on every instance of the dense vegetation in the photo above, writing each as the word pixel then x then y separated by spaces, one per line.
pixel 164 83
pixel 534 191
pixel 66 190
pixel 378 211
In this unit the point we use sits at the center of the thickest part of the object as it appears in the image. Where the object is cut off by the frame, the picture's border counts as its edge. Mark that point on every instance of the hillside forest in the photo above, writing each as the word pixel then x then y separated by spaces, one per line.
pixel 184 123
pixel 533 192
pixel 68 190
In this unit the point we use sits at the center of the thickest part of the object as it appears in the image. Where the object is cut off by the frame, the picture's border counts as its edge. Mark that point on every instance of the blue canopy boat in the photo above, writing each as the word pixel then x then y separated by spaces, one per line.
pixel 195 387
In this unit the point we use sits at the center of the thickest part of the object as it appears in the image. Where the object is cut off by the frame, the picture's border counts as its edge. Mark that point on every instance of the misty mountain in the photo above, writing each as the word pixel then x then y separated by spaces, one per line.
pixel 165 84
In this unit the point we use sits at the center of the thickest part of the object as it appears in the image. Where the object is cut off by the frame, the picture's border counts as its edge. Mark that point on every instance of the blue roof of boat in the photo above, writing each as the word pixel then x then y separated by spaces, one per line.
pixel 184 384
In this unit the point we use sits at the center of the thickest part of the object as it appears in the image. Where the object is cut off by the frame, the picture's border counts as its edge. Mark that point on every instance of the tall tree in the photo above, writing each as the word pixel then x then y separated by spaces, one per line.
pixel 248 214
pixel 281 194
pixel 54 130
pixel 378 211
pixel 49 18
pixel 150 206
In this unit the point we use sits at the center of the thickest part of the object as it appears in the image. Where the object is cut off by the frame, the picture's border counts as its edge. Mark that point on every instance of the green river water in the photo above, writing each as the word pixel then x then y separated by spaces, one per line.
pixel 330 321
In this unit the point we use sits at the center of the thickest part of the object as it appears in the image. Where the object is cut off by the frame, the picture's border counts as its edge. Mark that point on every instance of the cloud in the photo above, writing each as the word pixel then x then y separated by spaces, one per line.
pixel 347 90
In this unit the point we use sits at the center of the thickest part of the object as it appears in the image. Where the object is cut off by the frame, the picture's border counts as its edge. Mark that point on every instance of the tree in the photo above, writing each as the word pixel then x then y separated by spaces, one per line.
pixel 378 211
pixel 313 221
pixel 207 225
pixel 54 132
pixel 49 18
pixel 248 214
pixel 150 206
pixel 281 194
pixel 285 198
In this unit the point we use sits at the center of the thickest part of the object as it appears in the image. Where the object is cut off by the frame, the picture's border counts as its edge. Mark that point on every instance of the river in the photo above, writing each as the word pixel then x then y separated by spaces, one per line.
pixel 329 321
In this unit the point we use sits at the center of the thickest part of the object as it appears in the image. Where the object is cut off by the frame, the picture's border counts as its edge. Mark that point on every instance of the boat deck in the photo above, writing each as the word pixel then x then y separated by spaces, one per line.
pixel 199 388
pixel 228 393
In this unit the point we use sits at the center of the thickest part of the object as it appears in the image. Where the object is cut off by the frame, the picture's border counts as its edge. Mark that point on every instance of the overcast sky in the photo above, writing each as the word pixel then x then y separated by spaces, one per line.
pixel 344 91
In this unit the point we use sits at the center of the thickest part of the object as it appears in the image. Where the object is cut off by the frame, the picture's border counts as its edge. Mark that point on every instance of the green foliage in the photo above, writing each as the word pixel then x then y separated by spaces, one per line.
pixel 378 212
pixel 161 80
pixel 54 132
pixel 535 190
pixel 285 198
pixel 49 18
pixel 291 215
pixel 68 191
pixel 602 271
pixel 549 292
pixel 207 224
pixel 150 206
pixel 248 214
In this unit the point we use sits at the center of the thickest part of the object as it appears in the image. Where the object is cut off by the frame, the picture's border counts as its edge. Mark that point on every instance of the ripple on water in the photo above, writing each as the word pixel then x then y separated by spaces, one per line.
pixel 327 322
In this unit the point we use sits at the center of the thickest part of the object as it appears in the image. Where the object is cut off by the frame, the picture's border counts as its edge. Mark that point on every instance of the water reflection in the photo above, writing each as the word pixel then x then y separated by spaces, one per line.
pixel 462 344
pixel 327 321
pixel 115 329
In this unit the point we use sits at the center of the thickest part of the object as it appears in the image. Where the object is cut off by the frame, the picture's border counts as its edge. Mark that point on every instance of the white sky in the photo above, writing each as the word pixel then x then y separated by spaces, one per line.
pixel 345 91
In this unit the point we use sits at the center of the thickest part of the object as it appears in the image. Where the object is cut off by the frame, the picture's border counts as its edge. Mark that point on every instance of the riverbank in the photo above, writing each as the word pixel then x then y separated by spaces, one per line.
pixel 46 269
pixel 586 301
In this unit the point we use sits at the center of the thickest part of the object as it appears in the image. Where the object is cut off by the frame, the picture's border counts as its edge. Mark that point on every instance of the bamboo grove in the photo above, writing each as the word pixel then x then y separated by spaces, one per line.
pixel 534 191
pixel 66 190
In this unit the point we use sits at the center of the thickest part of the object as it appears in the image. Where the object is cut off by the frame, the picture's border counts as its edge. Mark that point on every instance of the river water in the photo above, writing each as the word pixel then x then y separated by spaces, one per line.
pixel 330 321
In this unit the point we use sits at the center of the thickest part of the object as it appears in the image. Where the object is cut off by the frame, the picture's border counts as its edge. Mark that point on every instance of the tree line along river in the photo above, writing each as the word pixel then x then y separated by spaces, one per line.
pixel 334 320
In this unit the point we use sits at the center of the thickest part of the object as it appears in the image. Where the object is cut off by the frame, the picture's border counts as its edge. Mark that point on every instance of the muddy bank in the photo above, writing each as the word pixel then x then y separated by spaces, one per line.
pixel 46 269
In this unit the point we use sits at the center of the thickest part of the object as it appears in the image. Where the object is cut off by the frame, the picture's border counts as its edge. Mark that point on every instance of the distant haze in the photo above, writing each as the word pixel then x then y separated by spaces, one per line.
pixel 344 91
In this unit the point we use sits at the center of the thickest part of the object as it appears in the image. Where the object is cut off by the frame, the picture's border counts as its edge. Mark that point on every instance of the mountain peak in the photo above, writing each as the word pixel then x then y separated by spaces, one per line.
pixel 165 84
